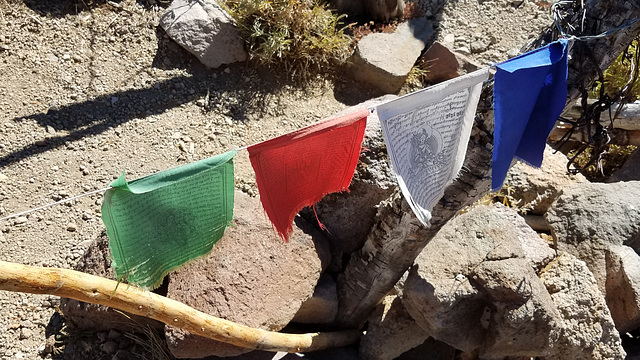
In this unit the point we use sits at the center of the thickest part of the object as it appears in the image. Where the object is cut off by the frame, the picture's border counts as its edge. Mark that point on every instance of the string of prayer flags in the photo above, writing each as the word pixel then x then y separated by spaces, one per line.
pixel 157 223
pixel 297 169
pixel 530 92
pixel 426 133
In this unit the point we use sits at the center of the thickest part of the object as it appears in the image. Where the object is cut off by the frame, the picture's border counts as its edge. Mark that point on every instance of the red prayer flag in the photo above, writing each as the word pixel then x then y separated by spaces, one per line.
pixel 299 168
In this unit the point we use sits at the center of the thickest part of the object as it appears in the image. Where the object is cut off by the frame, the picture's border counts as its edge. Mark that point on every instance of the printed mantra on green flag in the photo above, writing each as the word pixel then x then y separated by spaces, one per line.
pixel 159 222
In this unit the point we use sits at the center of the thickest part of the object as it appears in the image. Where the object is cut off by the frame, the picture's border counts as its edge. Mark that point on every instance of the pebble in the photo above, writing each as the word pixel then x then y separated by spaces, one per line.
pixel 478 47
pixel 113 334
pixel 72 227
pixel 20 220
pixel 25 334
pixel 3 177
pixel 109 347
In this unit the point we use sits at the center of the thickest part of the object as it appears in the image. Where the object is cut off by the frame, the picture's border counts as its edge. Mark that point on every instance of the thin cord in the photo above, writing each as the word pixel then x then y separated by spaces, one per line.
pixel 55 203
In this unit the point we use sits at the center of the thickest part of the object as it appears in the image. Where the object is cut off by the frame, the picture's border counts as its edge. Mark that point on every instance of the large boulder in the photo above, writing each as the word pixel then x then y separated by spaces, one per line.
pixel 391 331
pixel 251 277
pixel 588 331
pixel 205 30
pixel 93 317
pixel 385 60
pixel 588 218
pixel 623 287
pixel 535 189
pixel 473 288
pixel 600 224
pixel 629 171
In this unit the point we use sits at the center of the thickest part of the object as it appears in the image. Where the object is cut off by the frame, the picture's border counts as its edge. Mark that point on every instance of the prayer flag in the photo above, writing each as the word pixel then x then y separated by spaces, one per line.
pixel 530 92
pixel 297 169
pixel 159 222
pixel 426 133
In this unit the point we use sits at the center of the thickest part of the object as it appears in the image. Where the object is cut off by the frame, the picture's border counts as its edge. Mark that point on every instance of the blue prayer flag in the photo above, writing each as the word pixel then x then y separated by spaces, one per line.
pixel 530 92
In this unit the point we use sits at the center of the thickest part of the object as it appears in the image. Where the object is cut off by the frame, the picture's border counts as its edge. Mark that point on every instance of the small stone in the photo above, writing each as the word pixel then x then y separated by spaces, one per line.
pixel 114 99
pixel 109 347
pixel 227 71
pixel 77 58
pixel 513 53
pixel 223 140
pixel 25 334
pixel 53 58
pixel 20 220
pixel 72 227
pixel 3 177
pixel 478 47
pixel 50 129
pixel 55 168
pixel 463 50
pixel 113 334
pixel 182 146
pixel 66 57
pixel 201 102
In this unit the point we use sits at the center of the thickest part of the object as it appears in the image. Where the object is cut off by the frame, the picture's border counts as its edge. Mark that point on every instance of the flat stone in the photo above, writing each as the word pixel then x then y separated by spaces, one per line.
pixel 205 30
pixel 251 277
pixel 385 60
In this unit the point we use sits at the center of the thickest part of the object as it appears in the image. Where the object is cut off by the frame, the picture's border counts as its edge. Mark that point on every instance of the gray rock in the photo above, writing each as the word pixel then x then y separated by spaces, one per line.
pixel 322 307
pixel 391 332
pixel 588 218
pixel 109 347
pixel 472 288
pixel 478 46
pixel 628 172
pixel 535 249
pixel 376 9
pixel 99 318
pixel 251 277
pixel 385 60
pixel 588 331
pixel 535 189
pixel 205 30
pixel 623 287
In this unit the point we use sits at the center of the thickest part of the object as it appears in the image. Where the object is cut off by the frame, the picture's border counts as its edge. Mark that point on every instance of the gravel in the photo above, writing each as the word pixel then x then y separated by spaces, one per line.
pixel 88 94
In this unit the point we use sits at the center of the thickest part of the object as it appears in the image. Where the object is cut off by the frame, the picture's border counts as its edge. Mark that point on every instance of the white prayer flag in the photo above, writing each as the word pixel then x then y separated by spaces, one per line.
pixel 426 133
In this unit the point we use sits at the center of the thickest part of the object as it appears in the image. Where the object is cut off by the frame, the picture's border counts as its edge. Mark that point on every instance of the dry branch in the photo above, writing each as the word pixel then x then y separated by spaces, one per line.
pixel 93 289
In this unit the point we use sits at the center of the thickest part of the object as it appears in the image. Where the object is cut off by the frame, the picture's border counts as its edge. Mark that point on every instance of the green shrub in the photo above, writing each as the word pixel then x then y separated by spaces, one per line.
pixel 617 75
pixel 301 35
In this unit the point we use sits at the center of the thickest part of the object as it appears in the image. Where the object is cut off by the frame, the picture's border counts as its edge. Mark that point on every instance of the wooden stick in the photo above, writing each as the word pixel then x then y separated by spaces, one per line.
pixel 93 289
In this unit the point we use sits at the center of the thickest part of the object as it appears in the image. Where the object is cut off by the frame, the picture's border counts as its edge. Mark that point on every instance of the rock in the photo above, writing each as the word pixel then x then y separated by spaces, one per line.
pixel 72 227
pixel 20 220
pixel 588 332
pixel 472 288
pixel 629 171
pixel 377 10
pixel 322 307
pixel 92 317
pixel 205 30
pixel 251 277
pixel 124 355
pixel 385 60
pixel 391 332
pixel 3 177
pixel 587 219
pixel 349 216
pixel 442 63
pixel 25 334
pixel 536 189
pixel 478 47
pixel 623 287
pixel 435 349
pixel 109 347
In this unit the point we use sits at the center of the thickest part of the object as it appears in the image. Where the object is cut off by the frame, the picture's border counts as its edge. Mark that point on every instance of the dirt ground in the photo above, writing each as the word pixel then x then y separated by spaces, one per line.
pixel 87 93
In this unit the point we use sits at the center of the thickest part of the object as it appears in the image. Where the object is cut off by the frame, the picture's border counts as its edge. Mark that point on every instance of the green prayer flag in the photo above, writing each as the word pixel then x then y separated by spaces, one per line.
pixel 159 222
